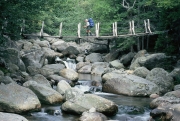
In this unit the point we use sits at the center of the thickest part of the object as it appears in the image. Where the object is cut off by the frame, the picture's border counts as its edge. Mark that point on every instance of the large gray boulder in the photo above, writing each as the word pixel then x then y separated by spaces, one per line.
pixel 34 57
pixel 12 55
pixel 114 54
pixel 98 68
pixel 69 74
pixel 11 117
pixel 40 79
pixel 43 43
pixel 176 75
pixel 71 50
pixel 141 71
pixel 162 79
pixel 154 60
pixel 46 95
pixel 62 86
pixel 92 115
pixel 94 57
pixel 6 80
pixel 85 69
pixel 54 67
pixel 116 64
pixel 17 99
pixel 127 84
pixel 83 102
pixel 126 59
pixel 51 54
pixel 81 64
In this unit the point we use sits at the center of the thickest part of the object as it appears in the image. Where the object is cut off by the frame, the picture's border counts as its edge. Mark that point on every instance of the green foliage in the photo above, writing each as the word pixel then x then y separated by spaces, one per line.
pixel 124 44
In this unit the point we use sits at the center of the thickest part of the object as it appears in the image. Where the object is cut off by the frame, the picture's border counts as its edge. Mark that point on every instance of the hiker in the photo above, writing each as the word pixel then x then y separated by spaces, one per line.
pixel 88 26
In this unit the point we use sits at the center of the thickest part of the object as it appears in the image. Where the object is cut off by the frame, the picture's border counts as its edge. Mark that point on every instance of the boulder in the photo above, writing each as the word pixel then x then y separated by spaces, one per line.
pixel 94 57
pixel 43 43
pixel 80 59
pixel 62 86
pixel 53 67
pixel 82 103
pixel 98 68
pixel 40 79
pixel 114 54
pixel 51 54
pixel 46 95
pixel 176 75
pixel 11 117
pixel 12 56
pixel 116 64
pixel 59 45
pixel 141 71
pixel 117 82
pixel 17 99
pixel 141 53
pixel 33 70
pixel 92 116
pixel 135 64
pixel 70 51
pixel 81 64
pixel 85 69
pixel 177 87
pixel 155 60
pixel 33 58
pixel 58 78
pixel 1 73
pixel 162 79
pixel 6 80
pixel 126 59
pixel 69 74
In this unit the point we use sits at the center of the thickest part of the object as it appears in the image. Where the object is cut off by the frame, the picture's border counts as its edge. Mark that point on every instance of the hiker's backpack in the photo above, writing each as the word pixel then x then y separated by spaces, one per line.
pixel 91 22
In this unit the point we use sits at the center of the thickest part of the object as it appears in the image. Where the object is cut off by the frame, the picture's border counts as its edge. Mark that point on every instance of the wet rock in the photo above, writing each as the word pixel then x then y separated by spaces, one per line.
pixel 62 86
pixel 114 54
pixel 83 103
pixel 11 117
pixel 6 80
pixel 92 116
pixel 162 79
pixel 141 71
pixel 46 95
pixel 17 99
pixel 69 74
pixel 116 64
pixel 117 82
pixel 126 59
pixel 94 57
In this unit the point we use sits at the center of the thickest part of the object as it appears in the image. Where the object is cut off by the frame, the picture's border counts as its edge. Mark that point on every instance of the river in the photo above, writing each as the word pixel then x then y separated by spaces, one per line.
pixel 130 108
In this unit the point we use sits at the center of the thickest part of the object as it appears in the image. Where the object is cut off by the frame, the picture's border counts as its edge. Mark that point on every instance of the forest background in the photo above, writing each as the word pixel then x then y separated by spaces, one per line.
pixel 164 16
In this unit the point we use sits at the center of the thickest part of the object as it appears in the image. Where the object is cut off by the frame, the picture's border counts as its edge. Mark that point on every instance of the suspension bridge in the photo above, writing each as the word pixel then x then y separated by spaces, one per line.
pixel 115 33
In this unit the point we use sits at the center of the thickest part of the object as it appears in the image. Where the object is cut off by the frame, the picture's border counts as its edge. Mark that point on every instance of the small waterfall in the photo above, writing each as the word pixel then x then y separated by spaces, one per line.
pixel 69 63
pixel 88 87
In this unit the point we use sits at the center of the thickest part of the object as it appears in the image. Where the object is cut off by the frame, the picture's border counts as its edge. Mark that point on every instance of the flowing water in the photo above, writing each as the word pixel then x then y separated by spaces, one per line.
pixel 130 108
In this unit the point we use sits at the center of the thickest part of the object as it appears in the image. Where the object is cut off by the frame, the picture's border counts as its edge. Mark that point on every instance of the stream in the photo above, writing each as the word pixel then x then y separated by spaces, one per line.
pixel 130 108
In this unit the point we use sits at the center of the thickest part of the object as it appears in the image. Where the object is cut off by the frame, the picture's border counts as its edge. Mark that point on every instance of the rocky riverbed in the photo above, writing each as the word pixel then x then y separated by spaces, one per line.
pixel 29 70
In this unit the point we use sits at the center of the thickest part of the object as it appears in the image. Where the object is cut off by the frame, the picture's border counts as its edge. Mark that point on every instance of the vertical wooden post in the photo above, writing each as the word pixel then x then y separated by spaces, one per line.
pixel 145 24
pixel 60 30
pixel 41 32
pixel 133 27
pixel 115 24
pixel 130 27
pixel 113 30
pixel 97 29
pixel 22 28
pixel 79 30
pixel 149 25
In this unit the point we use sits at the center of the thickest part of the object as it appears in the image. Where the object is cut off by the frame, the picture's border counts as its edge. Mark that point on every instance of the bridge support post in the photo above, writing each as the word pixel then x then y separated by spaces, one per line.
pixel 60 30
pixel 115 29
pixel 41 32
pixel 131 27
pixel 147 26
pixel 97 29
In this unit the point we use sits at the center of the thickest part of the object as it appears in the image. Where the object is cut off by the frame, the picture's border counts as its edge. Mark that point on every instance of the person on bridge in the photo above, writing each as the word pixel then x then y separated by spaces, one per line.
pixel 88 28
